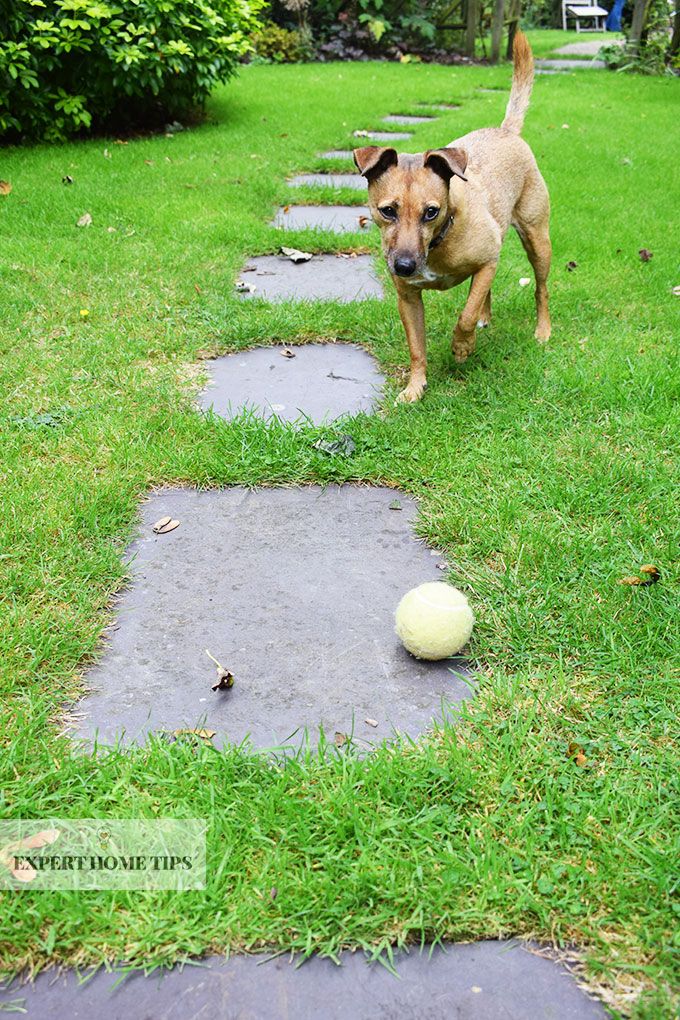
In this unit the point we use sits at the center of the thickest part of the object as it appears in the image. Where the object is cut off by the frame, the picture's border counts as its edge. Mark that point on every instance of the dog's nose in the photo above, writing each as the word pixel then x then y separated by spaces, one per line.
pixel 404 265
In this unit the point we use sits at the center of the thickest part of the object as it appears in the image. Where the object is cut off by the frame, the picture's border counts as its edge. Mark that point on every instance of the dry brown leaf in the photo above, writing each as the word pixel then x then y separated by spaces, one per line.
pixel 363 222
pixel 371 722
pixel 287 353
pixel 340 739
pixel 202 733
pixel 85 220
pixel 164 525
pixel 225 678
pixel 5 187
pixel 295 255
pixel 653 574
pixel 645 254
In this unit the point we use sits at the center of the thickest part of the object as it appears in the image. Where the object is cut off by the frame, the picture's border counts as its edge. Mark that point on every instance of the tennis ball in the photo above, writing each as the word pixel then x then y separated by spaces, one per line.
pixel 434 620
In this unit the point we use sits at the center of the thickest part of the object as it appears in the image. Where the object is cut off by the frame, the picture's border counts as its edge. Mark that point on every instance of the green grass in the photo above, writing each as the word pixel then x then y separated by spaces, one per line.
pixel 545 41
pixel 546 473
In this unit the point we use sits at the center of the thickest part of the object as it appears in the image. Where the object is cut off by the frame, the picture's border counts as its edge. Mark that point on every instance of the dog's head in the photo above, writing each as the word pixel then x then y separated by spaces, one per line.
pixel 409 200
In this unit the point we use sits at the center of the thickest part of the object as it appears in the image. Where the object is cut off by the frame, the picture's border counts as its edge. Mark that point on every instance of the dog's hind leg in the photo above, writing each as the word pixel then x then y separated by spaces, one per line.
pixel 531 221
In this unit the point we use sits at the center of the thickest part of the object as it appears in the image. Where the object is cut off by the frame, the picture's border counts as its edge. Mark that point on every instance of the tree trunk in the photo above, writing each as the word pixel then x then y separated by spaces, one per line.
pixel 471 27
pixel 497 30
pixel 637 24
pixel 674 47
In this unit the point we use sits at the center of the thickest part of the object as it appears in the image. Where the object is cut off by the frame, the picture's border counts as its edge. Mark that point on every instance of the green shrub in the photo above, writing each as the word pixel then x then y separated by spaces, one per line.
pixel 70 65
pixel 278 45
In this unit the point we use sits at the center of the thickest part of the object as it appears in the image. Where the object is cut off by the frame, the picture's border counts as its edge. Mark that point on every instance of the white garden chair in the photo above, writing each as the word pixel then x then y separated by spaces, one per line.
pixel 586 11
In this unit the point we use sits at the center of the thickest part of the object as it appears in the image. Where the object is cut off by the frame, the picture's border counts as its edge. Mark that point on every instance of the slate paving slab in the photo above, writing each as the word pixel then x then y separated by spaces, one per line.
pixel 337 218
pixel 293 590
pixel 570 65
pixel 587 48
pixel 489 980
pixel 337 154
pixel 321 382
pixel 323 278
pixel 329 181
pixel 385 136
pixel 407 118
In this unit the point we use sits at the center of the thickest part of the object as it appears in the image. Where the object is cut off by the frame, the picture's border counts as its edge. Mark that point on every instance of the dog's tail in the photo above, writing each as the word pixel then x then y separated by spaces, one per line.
pixel 522 82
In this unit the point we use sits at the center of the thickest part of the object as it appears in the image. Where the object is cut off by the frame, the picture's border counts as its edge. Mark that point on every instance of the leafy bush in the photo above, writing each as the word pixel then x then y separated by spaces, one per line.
pixel 70 65
pixel 278 45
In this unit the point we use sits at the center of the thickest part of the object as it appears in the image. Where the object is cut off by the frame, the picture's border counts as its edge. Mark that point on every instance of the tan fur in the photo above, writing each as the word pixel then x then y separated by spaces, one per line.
pixel 487 181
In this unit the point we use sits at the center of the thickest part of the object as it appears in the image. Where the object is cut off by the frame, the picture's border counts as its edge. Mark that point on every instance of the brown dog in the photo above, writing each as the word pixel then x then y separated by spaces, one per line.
pixel 443 215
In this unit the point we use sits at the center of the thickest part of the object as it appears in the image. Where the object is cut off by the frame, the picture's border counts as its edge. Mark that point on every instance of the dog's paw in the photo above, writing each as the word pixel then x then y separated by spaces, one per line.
pixel 412 393
pixel 542 333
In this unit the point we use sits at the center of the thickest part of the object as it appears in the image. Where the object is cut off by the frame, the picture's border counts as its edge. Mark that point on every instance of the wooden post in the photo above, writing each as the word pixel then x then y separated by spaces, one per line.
pixel 497 30
pixel 471 27
pixel 638 23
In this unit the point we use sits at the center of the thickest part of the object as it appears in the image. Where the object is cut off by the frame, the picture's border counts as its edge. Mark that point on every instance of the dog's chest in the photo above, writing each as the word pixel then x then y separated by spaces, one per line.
pixel 431 277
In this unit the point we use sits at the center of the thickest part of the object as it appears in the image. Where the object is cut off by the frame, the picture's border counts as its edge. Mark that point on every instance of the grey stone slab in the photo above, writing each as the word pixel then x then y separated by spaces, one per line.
pixel 292 589
pixel 337 154
pixel 323 278
pixel 478 981
pixel 386 136
pixel 407 118
pixel 337 218
pixel 587 48
pixel 441 106
pixel 354 180
pixel 570 65
pixel 321 383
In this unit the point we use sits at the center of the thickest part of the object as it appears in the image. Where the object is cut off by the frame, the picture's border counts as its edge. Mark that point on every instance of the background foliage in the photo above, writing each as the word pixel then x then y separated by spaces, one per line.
pixel 70 65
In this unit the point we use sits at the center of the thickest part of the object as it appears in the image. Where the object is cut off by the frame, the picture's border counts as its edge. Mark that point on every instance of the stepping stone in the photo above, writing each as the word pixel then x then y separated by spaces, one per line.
pixel 337 154
pixel 490 980
pixel 441 106
pixel 323 278
pixel 569 65
pixel 321 383
pixel 293 590
pixel 329 181
pixel 588 48
pixel 338 218
pixel 404 118
pixel 385 136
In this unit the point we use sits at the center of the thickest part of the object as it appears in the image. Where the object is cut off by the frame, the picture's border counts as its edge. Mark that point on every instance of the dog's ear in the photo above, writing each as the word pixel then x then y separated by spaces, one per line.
pixel 373 160
pixel 447 162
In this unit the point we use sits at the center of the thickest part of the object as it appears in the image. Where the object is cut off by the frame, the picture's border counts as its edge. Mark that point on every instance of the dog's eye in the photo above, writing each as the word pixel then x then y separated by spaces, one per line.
pixel 431 213
pixel 388 212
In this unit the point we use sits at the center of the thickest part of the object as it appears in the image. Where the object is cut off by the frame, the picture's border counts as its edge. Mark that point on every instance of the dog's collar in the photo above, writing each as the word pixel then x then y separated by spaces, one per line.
pixel 438 238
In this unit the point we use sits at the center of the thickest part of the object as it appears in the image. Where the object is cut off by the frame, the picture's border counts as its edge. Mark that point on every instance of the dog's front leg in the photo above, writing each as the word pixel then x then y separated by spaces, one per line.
pixel 463 343
pixel 412 313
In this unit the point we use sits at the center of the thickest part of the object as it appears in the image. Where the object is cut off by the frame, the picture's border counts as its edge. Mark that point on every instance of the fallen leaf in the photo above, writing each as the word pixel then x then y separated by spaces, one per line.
pixel 296 256
pixel 164 525
pixel 67 179
pixel 571 266
pixel 111 230
pixel 340 739
pixel 580 759
pixel 653 575
pixel 225 678
pixel 645 254
pixel 5 187
pixel 524 281
pixel 565 127
pixel 273 893
pixel 363 222
pixel 149 162
pixel 286 208
pixel 197 289
pixel 676 291
pixel 442 566
pixel 287 353
pixel 371 722
pixel 244 288
pixel 344 445
pixel 201 733
pixel 85 220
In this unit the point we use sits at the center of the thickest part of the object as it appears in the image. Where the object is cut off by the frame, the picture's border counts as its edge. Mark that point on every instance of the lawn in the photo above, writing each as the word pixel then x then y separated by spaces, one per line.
pixel 546 473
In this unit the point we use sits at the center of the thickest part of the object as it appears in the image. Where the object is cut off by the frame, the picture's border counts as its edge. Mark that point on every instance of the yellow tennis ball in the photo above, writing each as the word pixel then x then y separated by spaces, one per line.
pixel 434 620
